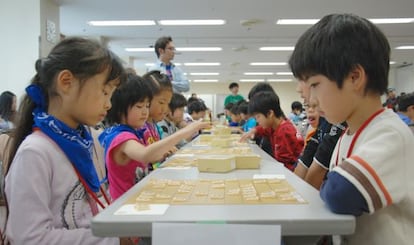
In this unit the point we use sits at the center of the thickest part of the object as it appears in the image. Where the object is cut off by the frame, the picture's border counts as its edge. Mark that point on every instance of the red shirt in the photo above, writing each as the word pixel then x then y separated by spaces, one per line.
pixel 287 143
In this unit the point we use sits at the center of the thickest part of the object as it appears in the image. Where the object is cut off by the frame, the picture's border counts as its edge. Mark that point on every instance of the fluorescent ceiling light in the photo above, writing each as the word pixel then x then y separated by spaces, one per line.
pixel 279 80
pixel 204 73
pixel 199 49
pixel 296 21
pixel 373 20
pixel 392 20
pixel 405 47
pixel 251 80
pixel 206 80
pixel 284 73
pixel 121 23
pixel 178 49
pixel 287 48
pixel 191 22
pixel 203 64
pixel 392 62
pixel 268 63
pixel 258 73
pixel 149 64
pixel 139 49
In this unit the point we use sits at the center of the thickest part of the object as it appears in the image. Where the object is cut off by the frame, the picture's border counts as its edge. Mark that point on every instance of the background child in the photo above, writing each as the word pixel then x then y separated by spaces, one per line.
pixel 51 177
pixel 174 117
pixel 345 61
pixel 8 102
pixel 406 108
pixel 250 121
pixel 286 141
pixel 126 153
pixel 196 110
pixel 162 90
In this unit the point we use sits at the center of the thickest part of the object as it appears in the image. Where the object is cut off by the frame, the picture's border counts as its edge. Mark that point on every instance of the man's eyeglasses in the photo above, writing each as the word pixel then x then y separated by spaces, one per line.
pixel 171 48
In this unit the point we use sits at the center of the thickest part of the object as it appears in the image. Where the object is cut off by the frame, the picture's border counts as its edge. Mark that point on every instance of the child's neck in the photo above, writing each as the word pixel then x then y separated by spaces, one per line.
pixel 362 113
pixel 276 122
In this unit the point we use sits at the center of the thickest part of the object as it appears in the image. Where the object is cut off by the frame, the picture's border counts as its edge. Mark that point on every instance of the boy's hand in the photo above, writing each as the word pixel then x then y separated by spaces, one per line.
pixel 248 135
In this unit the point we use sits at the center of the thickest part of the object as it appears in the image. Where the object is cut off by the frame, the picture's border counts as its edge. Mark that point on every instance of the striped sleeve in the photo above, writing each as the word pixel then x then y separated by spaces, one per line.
pixel 360 174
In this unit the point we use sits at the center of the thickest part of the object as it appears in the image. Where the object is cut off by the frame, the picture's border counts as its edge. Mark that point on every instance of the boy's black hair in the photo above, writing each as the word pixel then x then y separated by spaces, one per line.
pixel 229 106
pixel 296 105
pixel 232 85
pixel 262 86
pixel 196 107
pixel 192 99
pixel 265 101
pixel 133 91
pixel 244 107
pixel 336 45
pixel 235 110
pixel 177 101
pixel 404 101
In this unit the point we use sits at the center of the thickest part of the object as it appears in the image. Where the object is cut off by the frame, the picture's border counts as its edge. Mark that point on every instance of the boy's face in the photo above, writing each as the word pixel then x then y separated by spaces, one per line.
pixel 235 117
pixel 234 90
pixel 304 90
pixel 312 112
pixel 198 115
pixel 178 115
pixel 335 104
pixel 262 120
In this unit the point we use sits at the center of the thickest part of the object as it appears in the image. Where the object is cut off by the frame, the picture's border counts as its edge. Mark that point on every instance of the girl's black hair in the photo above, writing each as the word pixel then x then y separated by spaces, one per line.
pixel 6 101
pixel 84 58
pixel 134 90
pixel 157 81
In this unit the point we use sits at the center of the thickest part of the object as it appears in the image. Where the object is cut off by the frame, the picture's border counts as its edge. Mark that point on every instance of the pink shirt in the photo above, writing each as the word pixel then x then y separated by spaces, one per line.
pixel 122 178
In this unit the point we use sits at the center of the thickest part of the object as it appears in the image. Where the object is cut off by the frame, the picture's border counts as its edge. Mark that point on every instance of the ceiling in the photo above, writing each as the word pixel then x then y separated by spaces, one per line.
pixel 249 25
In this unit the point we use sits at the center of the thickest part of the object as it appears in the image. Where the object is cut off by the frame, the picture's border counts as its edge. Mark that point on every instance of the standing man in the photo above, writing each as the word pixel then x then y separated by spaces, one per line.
pixel 234 97
pixel 165 50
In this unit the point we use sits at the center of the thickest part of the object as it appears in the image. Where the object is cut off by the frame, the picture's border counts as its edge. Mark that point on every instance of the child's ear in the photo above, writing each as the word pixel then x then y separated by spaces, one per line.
pixel 358 78
pixel 270 113
pixel 64 81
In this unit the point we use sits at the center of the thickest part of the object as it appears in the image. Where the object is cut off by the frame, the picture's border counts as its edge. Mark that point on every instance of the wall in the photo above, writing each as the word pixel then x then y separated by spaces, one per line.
pixel 19 43
pixel 404 79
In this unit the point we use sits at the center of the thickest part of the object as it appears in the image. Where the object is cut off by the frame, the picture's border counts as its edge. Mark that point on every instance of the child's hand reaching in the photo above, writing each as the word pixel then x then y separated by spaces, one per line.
pixel 248 135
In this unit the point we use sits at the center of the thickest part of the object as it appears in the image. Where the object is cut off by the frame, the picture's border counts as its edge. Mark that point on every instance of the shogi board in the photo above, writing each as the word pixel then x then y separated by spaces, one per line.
pixel 216 192
pixel 217 151
pixel 180 162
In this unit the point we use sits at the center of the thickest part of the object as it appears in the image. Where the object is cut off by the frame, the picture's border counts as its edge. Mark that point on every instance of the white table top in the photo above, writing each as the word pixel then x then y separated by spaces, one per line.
pixel 309 219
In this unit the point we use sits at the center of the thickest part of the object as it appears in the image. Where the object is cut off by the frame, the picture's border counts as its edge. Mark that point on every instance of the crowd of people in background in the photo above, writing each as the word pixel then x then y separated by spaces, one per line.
pixel 345 150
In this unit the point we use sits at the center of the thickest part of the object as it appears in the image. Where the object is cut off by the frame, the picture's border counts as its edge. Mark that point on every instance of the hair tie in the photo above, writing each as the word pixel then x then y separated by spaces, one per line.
pixel 36 94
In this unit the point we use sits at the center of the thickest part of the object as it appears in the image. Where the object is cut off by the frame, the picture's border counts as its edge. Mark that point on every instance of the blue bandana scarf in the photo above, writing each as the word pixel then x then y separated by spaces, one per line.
pixel 76 144
pixel 106 137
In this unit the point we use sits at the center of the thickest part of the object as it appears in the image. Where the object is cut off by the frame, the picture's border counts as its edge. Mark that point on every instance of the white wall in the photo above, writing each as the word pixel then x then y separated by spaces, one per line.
pixel 404 79
pixel 19 43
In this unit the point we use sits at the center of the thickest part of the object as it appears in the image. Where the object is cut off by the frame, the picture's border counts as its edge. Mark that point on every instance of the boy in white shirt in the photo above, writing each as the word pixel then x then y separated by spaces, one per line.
pixel 345 61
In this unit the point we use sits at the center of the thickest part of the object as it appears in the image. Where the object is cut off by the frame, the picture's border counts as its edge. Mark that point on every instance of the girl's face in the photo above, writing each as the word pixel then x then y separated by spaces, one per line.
pixel 312 113
pixel 87 103
pixel 159 105
pixel 178 115
pixel 138 114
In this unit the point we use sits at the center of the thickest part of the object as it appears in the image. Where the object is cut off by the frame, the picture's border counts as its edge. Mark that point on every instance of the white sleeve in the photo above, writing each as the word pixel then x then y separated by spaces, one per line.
pixel 29 193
